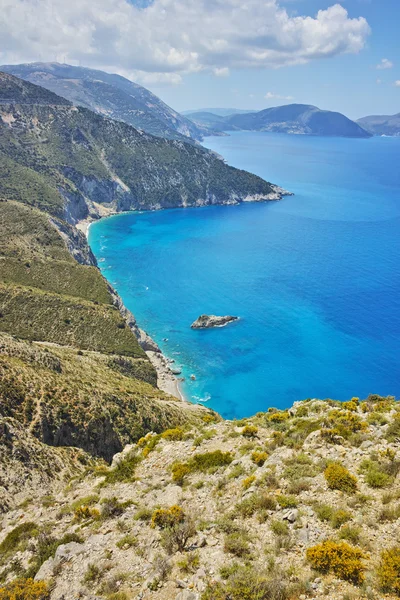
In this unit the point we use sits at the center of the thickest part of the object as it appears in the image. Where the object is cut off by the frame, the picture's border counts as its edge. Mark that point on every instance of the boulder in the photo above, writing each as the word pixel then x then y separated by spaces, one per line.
pixel 209 321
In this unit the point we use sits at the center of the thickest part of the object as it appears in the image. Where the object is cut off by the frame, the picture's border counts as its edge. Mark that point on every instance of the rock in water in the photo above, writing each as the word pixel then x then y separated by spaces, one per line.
pixel 208 321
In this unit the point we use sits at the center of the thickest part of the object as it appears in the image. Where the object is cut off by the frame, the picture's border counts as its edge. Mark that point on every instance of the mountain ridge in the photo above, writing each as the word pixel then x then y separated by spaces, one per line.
pixel 381 124
pixel 292 118
pixel 110 95
pixel 79 163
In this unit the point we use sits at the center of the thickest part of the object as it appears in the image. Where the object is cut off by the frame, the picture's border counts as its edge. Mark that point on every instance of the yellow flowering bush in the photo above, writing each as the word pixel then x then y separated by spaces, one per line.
pixel 389 570
pixel 249 431
pixel 179 471
pixel 339 558
pixel 248 482
pixel 173 435
pixel 25 589
pixel 259 457
pixel 278 417
pixel 167 517
pixel 339 478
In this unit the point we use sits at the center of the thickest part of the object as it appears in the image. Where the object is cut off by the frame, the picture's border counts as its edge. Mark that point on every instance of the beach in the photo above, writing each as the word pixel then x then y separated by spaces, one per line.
pixel 166 380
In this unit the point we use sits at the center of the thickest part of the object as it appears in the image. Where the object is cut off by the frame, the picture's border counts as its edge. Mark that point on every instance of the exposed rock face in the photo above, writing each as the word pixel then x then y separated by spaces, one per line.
pixel 209 321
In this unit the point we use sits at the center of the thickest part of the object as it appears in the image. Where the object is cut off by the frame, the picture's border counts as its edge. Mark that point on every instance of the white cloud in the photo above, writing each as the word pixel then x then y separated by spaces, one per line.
pixel 397 83
pixel 384 64
pixel 272 96
pixel 174 36
pixel 221 71
pixel 379 81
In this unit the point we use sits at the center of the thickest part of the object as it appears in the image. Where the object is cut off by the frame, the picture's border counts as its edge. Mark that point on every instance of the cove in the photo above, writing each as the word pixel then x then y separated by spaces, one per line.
pixel 315 278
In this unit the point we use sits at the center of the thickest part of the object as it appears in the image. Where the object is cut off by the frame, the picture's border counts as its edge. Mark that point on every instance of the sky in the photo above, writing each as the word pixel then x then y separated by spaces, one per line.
pixel 248 54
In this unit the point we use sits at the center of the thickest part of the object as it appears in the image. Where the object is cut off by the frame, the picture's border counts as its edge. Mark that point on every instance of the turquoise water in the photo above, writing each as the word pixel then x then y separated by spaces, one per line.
pixel 315 278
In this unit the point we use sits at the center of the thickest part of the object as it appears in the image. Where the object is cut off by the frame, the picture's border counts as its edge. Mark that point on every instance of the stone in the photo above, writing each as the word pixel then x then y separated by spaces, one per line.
pixel 209 321
pixel 187 595
pixel 290 515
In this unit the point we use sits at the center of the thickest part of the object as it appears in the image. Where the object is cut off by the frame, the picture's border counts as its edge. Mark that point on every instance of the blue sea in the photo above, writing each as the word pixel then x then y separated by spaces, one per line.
pixel 315 278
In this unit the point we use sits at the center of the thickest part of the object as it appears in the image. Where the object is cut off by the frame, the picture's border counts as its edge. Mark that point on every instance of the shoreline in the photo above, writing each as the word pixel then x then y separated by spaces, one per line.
pixel 166 380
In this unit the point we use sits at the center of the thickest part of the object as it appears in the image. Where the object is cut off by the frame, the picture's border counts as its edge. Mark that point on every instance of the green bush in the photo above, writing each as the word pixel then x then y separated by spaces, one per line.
pixel 249 583
pixel 299 485
pixel 339 518
pixel 46 548
pixel 18 538
pixel 376 473
pixel 127 541
pixel 93 573
pixel 393 431
pixel 143 514
pixel 279 527
pixel 237 544
pixel 124 470
pixel 176 537
pixel 350 534
pixel 389 514
pixel 203 462
pixel 250 505
pixel 190 562
pixel 111 507
pixel 324 512
pixel 286 501
pixel 210 460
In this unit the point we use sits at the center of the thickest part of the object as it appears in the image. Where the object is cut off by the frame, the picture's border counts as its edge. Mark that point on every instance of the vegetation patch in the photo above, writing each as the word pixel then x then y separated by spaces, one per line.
pixel 25 589
pixel 339 478
pixel 389 570
pixel 202 462
pixel 339 558
pixel 167 517
pixel 17 539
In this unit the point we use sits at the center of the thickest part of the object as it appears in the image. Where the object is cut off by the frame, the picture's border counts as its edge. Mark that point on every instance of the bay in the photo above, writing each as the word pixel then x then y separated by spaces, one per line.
pixel 314 278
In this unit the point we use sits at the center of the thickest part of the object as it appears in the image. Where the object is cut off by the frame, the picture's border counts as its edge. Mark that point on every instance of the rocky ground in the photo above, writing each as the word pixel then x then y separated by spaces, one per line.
pixel 227 510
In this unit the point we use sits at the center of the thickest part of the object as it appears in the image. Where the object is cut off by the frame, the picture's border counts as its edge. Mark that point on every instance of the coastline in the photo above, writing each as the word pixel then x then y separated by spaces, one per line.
pixel 166 380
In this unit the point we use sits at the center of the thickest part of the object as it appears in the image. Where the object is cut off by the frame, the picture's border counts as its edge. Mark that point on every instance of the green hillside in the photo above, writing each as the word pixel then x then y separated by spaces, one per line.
pixel 68 161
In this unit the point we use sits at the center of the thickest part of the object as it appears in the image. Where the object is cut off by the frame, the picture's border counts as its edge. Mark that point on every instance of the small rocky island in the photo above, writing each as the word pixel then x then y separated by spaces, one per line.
pixel 209 321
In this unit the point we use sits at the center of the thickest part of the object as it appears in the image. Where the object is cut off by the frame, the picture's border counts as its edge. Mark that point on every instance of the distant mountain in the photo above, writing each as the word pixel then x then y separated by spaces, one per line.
pixel 72 162
pixel 221 112
pixel 209 120
pixel 112 96
pixel 381 124
pixel 292 118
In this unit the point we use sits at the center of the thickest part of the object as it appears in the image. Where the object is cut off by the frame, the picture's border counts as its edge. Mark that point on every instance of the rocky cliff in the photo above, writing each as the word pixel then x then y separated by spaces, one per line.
pixel 73 163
